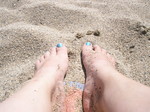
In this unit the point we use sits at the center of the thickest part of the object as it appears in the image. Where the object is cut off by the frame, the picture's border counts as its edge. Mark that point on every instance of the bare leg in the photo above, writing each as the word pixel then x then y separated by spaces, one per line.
pixel 107 90
pixel 36 95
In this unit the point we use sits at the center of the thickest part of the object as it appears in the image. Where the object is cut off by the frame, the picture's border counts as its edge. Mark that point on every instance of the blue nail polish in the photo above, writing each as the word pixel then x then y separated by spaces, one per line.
pixel 88 43
pixel 59 45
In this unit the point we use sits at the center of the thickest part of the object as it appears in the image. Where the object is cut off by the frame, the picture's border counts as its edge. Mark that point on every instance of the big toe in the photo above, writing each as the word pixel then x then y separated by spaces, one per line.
pixel 97 48
pixel 87 48
pixel 63 55
pixel 61 50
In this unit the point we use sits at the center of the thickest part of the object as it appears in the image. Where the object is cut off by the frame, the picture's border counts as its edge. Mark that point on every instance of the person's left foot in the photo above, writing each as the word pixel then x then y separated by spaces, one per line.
pixel 52 66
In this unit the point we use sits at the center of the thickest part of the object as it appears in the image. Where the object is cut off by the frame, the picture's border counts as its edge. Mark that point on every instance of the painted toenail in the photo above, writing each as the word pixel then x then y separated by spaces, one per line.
pixel 59 45
pixel 88 43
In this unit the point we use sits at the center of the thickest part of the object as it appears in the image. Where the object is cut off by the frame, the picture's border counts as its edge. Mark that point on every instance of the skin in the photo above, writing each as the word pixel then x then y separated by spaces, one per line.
pixel 106 90
pixel 36 95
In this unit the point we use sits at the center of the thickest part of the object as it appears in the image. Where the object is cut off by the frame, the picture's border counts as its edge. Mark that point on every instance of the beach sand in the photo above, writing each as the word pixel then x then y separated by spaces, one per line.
pixel 28 28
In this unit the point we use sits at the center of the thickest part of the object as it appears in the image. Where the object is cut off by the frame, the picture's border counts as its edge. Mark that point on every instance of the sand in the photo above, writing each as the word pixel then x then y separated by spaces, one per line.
pixel 28 28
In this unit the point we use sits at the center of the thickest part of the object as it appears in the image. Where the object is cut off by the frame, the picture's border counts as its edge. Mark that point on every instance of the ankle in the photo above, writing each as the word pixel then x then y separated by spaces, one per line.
pixel 107 75
pixel 41 82
pixel 115 79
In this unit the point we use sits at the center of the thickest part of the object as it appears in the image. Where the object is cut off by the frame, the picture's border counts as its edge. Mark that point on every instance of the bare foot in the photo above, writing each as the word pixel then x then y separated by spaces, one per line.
pixel 51 69
pixel 52 66
pixel 107 90
pixel 98 64
pixel 37 93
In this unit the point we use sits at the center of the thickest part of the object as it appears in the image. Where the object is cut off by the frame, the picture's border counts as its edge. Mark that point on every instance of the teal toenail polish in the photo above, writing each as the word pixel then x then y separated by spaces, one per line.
pixel 59 45
pixel 88 43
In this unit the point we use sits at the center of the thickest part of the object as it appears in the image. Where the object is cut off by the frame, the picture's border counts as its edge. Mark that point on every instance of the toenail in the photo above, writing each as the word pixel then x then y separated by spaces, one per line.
pixel 59 45
pixel 88 43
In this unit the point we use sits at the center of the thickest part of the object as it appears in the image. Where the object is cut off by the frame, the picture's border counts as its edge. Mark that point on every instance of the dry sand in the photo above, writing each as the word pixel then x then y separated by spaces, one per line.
pixel 30 27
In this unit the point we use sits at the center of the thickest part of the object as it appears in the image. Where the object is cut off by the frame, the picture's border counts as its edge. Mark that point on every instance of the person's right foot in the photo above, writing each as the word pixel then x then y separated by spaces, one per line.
pixel 98 65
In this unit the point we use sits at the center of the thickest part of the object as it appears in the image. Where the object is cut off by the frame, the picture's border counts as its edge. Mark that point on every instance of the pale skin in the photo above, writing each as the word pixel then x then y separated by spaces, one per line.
pixel 106 90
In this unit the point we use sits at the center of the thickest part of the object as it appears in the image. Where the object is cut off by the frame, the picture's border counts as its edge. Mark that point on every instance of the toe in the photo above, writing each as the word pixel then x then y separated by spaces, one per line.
pixel 109 56
pixel 113 61
pixel 104 51
pixel 42 59
pixel 87 47
pixel 52 51
pixel 61 49
pixel 46 55
pixel 97 48
pixel 37 64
